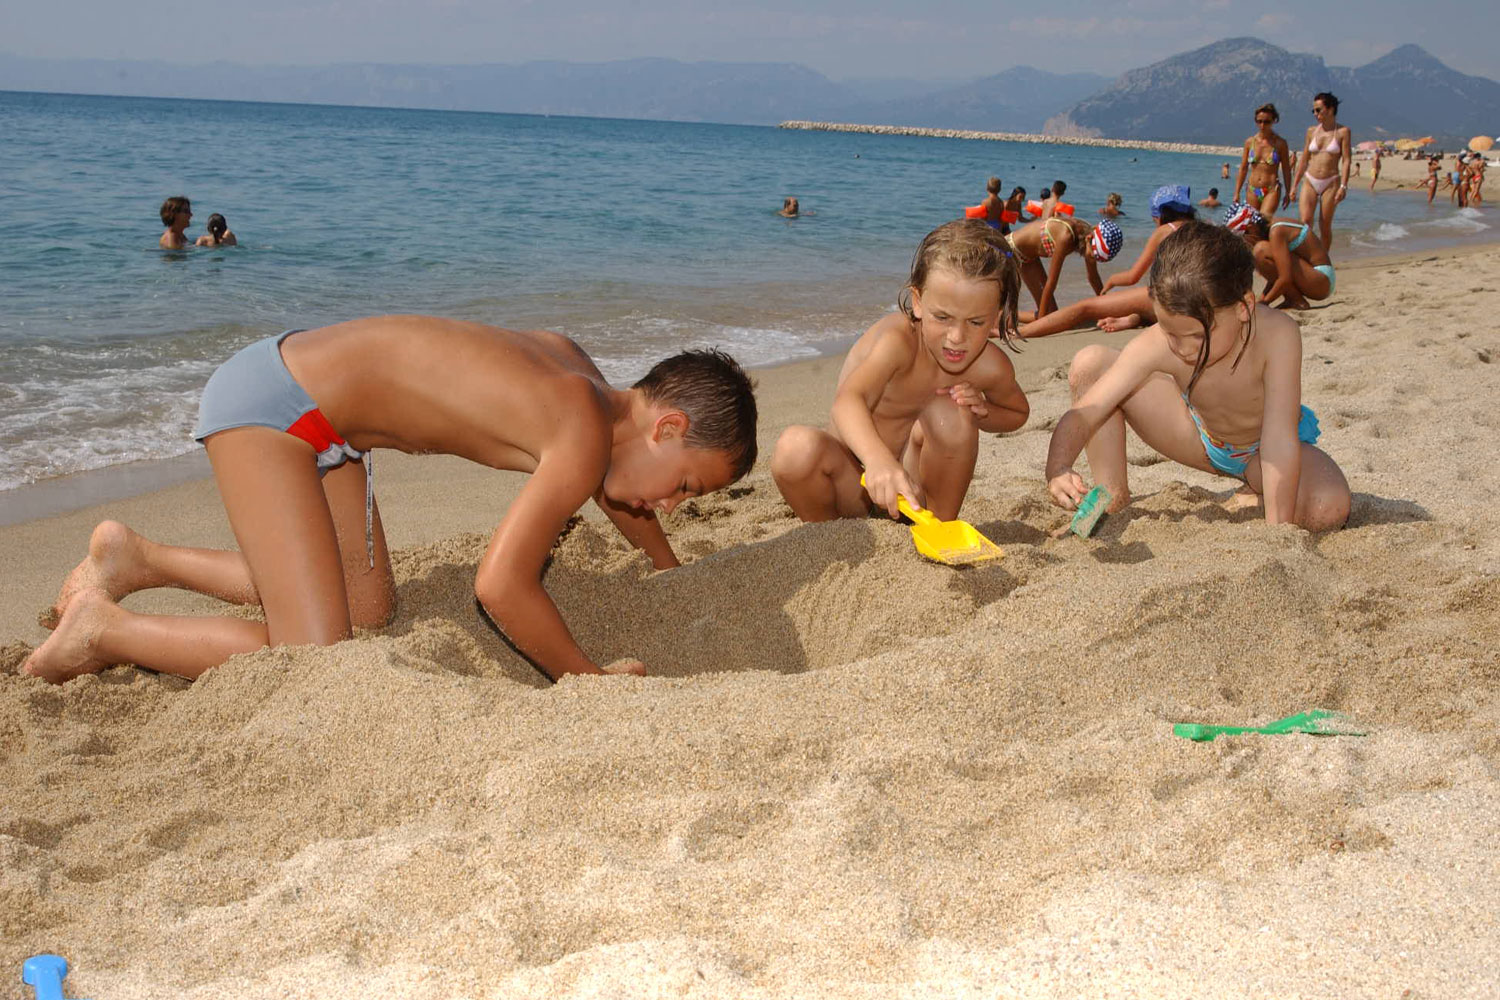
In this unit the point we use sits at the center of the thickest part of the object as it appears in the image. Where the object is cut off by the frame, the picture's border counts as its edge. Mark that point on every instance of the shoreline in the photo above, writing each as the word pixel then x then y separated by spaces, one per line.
pixel 95 489
pixel 1207 149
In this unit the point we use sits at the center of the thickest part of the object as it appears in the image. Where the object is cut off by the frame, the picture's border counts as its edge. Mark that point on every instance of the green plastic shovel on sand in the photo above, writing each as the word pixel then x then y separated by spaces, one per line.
pixel 1318 722
pixel 955 543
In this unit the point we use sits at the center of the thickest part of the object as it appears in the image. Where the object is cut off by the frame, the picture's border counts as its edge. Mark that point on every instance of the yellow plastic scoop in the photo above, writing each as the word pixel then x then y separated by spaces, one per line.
pixel 956 543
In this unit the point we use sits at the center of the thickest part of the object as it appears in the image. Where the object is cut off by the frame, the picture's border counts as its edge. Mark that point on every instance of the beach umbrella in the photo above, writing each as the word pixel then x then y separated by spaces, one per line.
pixel 1404 144
pixel 1481 143
pixel 1367 146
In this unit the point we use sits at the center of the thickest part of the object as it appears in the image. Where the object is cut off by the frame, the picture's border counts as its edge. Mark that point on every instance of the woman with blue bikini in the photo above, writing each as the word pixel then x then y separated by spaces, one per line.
pixel 1265 164
pixel 1288 255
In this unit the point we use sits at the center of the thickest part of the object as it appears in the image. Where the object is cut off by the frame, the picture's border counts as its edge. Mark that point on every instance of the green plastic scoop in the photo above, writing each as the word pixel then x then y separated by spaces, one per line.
pixel 1318 722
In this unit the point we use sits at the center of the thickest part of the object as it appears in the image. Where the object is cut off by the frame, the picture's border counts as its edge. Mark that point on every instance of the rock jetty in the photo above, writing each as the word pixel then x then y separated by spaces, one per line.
pixel 1059 140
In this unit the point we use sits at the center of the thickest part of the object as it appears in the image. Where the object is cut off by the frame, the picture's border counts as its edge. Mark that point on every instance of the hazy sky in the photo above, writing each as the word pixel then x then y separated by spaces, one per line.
pixel 938 39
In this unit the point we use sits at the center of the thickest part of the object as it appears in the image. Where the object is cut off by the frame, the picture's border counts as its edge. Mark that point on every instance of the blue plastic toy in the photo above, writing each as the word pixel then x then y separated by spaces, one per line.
pixel 45 974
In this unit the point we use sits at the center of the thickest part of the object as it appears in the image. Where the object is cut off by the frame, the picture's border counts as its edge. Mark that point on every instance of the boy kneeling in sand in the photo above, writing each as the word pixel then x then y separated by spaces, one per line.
pixel 287 423
pixel 916 389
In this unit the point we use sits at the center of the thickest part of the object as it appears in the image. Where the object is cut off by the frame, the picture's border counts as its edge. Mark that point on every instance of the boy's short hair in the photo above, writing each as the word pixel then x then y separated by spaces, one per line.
pixel 1059 188
pixel 718 398
pixel 992 185
pixel 173 205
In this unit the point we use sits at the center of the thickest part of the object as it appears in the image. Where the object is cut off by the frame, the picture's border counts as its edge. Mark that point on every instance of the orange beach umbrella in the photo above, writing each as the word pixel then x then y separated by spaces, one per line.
pixel 1481 143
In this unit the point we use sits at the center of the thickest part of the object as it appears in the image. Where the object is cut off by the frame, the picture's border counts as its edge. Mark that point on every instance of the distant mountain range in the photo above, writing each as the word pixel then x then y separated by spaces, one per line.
pixel 1206 95
pixel 1406 92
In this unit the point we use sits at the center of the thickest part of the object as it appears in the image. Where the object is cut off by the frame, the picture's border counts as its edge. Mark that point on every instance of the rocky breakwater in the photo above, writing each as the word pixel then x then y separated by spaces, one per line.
pixel 1059 140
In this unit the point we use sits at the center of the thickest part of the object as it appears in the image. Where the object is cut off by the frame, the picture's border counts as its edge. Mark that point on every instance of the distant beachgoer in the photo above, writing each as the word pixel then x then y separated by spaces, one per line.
pixel 1171 206
pixel 1324 166
pixel 1233 375
pixel 1212 201
pixel 994 206
pixel 176 213
pixel 1016 203
pixel 1055 238
pixel 1111 209
pixel 218 235
pixel 1476 180
pixel 1434 167
pixel 1375 169
pixel 1224 172
pixel 1044 206
pixel 1288 255
pixel 917 391
pixel 789 208
pixel 1265 164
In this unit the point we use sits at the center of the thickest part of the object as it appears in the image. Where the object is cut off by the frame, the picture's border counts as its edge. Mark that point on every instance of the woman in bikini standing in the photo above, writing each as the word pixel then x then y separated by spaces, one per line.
pixel 1266 162
pixel 1324 165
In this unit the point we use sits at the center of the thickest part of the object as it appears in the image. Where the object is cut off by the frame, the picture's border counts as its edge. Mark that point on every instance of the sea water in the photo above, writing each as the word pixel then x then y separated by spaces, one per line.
pixel 636 238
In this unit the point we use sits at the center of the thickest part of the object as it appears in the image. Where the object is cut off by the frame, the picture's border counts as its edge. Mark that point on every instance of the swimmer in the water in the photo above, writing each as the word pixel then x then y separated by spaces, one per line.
pixel 176 214
pixel 219 234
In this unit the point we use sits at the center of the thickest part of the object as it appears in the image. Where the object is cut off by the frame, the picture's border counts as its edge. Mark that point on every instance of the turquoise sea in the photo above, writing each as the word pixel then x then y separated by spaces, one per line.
pixel 636 238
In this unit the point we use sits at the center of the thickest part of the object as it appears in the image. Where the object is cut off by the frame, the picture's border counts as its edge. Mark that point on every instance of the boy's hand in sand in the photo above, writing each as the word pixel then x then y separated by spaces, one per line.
pixel 885 484
pixel 625 665
pixel 965 395
pixel 1068 490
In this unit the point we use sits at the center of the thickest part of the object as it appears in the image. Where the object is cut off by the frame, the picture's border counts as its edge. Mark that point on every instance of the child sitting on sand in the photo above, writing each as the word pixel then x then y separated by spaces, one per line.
pixel 1055 238
pixel 176 213
pixel 916 389
pixel 288 422
pixel 1217 367
pixel 218 235
pixel 1288 255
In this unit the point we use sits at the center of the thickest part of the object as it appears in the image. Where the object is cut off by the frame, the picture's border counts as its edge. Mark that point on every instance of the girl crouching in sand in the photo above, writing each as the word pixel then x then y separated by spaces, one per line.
pixel 1054 238
pixel 1217 367
pixel 1288 255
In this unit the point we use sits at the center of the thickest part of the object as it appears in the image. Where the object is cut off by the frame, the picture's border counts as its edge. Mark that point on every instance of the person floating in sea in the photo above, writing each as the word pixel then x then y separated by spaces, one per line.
pixel 1212 201
pixel 1288 255
pixel 1054 239
pixel 790 209
pixel 1224 172
pixel 1265 163
pixel 916 389
pixel 1111 209
pixel 1324 167
pixel 219 234
pixel 288 424
pixel 1233 374
pixel 176 215
pixel 1112 310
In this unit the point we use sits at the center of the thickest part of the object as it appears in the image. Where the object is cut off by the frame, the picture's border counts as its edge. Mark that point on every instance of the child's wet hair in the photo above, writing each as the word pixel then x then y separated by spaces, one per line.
pixel 1114 199
pixel 718 398
pixel 1199 269
pixel 970 249
pixel 173 205
pixel 217 225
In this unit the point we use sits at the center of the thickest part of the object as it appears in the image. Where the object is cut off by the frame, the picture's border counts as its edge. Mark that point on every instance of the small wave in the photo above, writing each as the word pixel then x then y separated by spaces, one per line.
pixel 1465 220
pixel 1386 232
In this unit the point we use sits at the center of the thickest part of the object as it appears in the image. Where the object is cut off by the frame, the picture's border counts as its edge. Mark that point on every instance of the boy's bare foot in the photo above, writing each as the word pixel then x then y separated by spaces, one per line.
pixel 1114 324
pixel 111 565
pixel 71 650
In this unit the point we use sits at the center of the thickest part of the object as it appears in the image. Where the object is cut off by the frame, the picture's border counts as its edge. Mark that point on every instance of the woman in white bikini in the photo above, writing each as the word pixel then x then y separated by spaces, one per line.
pixel 1324 164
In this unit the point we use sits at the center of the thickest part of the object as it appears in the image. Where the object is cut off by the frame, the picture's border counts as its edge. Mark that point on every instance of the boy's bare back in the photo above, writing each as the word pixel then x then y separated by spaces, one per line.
pixel 422 384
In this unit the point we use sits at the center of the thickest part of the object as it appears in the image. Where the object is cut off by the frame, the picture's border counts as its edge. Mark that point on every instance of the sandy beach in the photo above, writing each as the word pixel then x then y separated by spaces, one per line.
pixel 852 773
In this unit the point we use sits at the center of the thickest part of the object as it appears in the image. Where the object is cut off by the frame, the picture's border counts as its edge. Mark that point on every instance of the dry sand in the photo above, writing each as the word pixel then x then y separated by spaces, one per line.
pixel 853 774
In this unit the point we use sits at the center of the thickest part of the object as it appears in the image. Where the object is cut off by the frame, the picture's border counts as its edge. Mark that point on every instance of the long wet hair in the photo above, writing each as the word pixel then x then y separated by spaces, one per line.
pixel 971 249
pixel 1199 269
